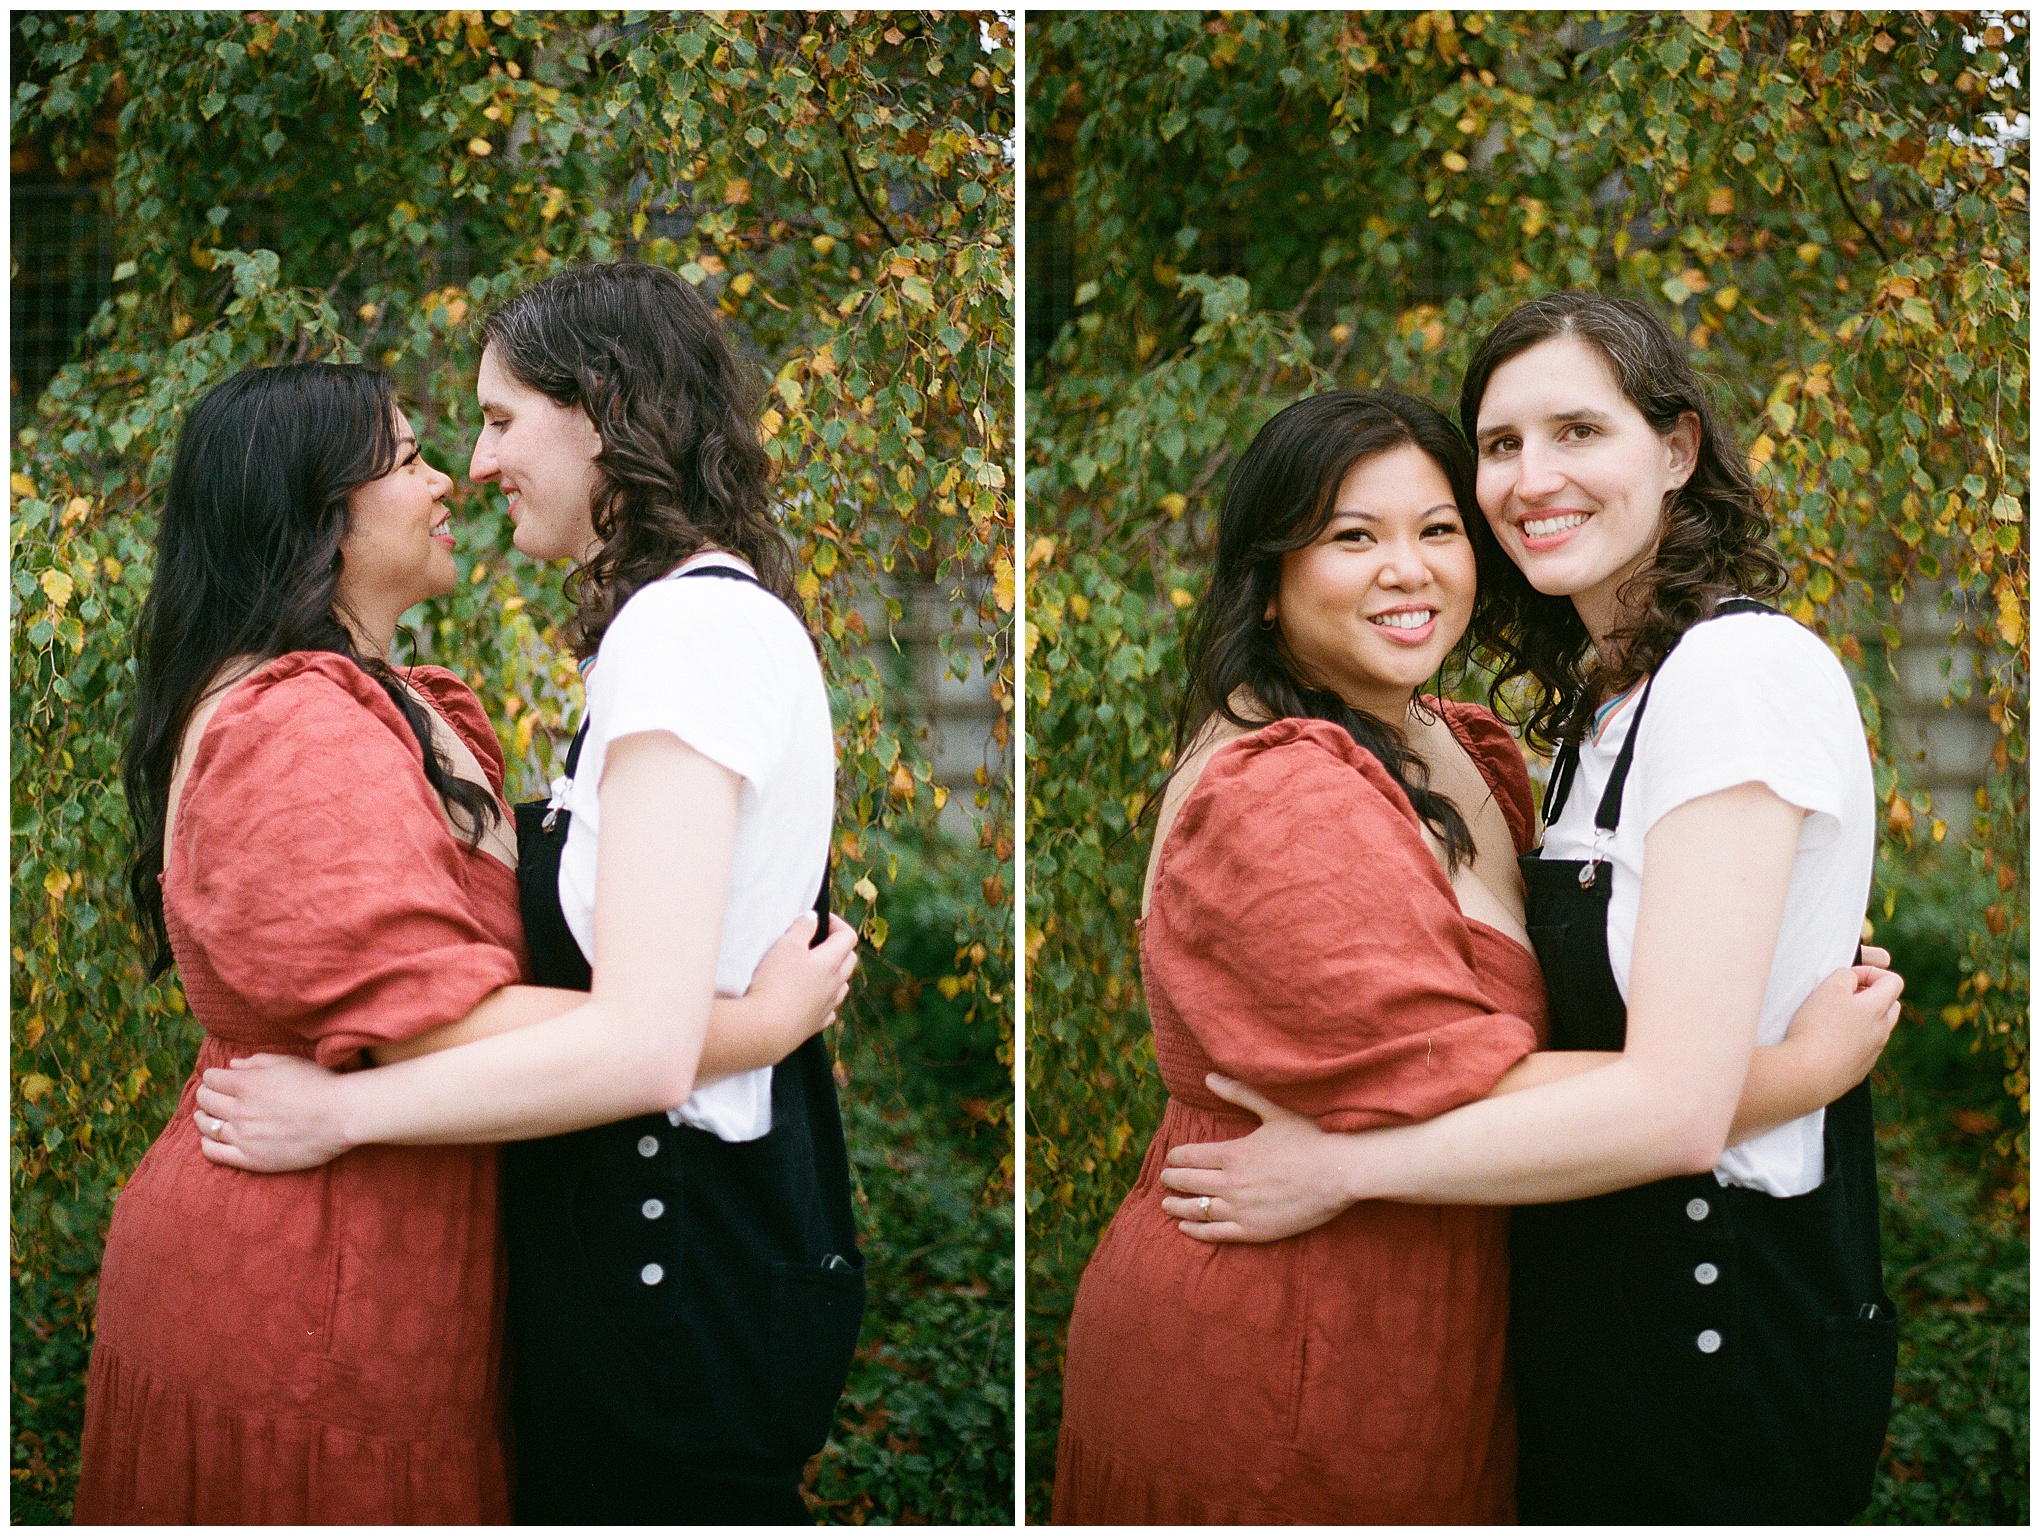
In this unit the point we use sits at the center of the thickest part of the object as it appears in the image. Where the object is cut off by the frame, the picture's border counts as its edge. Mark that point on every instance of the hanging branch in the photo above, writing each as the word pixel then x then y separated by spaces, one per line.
pixel 857 186
pixel 1868 233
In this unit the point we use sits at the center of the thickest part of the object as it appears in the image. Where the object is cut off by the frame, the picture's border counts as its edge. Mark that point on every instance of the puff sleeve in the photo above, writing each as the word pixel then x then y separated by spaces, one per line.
pixel 1314 945
pixel 316 871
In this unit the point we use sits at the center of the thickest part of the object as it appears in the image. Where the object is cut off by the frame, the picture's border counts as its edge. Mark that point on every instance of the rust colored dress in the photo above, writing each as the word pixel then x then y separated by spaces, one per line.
pixel 1303 939
pixel 318 1347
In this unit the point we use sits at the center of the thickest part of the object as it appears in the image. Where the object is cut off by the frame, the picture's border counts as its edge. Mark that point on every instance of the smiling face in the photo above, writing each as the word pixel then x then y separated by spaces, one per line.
pixel 542 453
pixel 398 548
pixel 1571 477
pixel 1373 604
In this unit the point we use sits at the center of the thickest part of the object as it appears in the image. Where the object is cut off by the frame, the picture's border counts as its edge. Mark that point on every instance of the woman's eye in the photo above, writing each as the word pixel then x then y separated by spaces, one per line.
pixel 1579 431
pixel 1501 445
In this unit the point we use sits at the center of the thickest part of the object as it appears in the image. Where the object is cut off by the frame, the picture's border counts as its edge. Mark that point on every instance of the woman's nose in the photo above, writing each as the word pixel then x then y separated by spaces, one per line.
pixel 1403 568
pixel 1537 474
pixel 481 463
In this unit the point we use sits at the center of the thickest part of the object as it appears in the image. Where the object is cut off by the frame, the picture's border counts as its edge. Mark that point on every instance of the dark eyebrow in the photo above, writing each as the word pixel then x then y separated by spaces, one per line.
pixel 1561 418
pixel 1364 516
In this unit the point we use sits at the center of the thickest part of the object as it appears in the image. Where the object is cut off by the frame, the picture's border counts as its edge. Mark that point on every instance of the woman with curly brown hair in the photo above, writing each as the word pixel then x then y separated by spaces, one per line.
pixel 685 1286
pixel 1699 1331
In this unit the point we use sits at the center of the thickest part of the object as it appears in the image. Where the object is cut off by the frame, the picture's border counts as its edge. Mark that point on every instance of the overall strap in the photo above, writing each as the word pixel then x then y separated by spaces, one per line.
pixel 1609 812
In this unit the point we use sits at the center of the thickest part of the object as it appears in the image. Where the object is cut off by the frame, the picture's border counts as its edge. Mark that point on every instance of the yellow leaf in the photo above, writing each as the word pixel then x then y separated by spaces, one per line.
pixel 941 797
pixel 1721 200
pixel 1725 298
pixel 865 891
pixel 1174 504
pixel 737 192
pixel 1694 279
pixel 809 586
pixel 35 1087
pixel 1761 451
pixel 57 882
pixel 2011 624
pixel 1940 829
pixel 823 244
pixel 112 567
pixel 1809 252
pixel 525 727
pixel 58 586
pixel 1181 598
pixel 1002 584
pixel 1080 605
pixel 1453 161
pixel 479 147
pixel 770 423
pixel 21 485
pixel 741 284
pixel 1042 549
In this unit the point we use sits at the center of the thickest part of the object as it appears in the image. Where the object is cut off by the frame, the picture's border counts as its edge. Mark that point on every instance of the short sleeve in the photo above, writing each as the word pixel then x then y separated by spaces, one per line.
pixel 1750 699
pixel 1314 943
pixel 705 660
pixel 316 870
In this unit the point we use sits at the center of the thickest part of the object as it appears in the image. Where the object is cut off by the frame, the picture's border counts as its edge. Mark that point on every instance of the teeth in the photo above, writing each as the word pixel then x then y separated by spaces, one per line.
pixel 1415 618
pixel 1545 527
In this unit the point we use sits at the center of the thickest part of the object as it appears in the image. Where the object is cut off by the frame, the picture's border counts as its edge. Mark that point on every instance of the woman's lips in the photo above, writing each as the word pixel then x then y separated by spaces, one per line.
pixel 1553 529
pixel 1403 632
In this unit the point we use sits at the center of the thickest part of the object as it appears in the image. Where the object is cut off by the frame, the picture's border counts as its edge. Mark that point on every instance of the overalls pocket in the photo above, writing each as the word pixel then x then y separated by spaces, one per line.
pixel 1859 1362
pixel 817 1310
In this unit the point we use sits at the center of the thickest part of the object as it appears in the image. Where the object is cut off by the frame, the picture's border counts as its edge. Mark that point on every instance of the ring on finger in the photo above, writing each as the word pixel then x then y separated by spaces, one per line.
pixel 1204 1207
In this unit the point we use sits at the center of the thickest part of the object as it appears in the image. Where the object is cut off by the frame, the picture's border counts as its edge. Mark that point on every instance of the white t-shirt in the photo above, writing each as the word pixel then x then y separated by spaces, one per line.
pixel 727 668
pixel 1747 698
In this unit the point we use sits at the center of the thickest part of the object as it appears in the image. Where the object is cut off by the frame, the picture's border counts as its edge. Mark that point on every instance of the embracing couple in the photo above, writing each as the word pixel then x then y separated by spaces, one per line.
pixel 1646 1033
pixel 306 1289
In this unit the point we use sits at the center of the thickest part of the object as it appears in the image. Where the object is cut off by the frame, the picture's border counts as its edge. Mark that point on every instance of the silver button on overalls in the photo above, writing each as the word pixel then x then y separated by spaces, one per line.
pixel 652 1274
pixel 653 1209
pixel 648 1146
pixel 1706 1274
pixel 1709 1341
pixel 1696 1208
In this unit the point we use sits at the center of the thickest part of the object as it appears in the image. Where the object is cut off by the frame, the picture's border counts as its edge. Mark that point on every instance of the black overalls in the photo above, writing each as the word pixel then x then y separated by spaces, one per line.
pixel 682 1309
pixel 1689 1352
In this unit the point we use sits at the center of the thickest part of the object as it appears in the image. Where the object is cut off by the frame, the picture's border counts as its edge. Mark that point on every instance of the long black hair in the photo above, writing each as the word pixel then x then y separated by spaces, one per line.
pixel 1279 499
pixel 248 566
pixel 1715 541
pixel 682 469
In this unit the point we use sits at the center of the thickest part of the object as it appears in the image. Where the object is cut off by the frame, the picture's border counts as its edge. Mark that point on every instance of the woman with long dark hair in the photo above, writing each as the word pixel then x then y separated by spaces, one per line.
pixel 685 1286
pixel 1333 914
pixel 323 851
pixel 1699 1328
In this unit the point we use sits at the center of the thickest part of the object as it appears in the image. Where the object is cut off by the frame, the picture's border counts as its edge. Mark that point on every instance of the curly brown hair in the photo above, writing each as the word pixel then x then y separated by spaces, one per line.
pixel 682 469
pixel 1714 544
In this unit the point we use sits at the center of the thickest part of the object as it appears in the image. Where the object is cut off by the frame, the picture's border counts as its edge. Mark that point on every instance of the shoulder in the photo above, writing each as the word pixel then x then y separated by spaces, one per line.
pixel 709 615
pixel 457 705
pixel 309 693
pixel 1494 750
pixel 1300 772
pixel 1760 648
